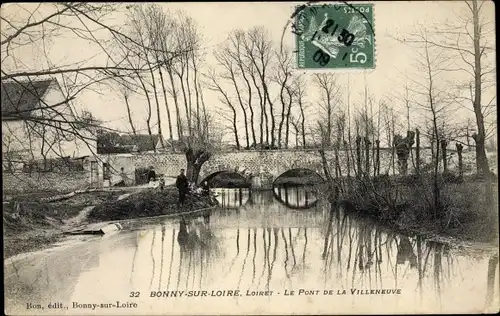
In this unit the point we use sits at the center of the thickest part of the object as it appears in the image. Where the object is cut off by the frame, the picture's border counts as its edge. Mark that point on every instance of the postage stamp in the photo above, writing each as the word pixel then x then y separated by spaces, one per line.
pixel 335 36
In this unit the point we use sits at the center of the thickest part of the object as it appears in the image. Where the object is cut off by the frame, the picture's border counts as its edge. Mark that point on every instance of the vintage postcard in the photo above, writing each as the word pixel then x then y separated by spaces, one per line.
pixel 249 158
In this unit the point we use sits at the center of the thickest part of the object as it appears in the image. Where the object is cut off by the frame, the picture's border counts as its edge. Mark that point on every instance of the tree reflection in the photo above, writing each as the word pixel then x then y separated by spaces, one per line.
pixel 492 270
pixel 296 197
pixel 246 256
pixel 361 246
pixel 282 245
pixel 171 258
pixel 152 259
pixel 232 198
pixel 199 246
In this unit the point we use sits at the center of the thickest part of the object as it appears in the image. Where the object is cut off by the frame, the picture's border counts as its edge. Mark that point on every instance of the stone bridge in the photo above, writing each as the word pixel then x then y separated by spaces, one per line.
pixel 262 167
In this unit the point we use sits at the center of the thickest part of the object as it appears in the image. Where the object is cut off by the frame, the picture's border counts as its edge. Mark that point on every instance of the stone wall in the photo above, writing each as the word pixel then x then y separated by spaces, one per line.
pixel 20 182
pixel 265 166
pixel 63 180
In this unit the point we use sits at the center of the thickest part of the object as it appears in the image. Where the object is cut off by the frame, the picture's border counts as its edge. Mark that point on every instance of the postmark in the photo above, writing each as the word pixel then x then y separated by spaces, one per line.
pixel 334 36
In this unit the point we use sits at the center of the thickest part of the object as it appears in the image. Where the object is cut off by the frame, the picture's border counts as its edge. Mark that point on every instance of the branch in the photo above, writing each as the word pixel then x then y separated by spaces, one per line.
pixel 29 25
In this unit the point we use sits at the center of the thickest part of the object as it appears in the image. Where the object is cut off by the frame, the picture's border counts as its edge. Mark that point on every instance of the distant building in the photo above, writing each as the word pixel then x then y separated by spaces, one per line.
pixel 128 143
pixel 35 124
pixel 141 142
pixel 175 145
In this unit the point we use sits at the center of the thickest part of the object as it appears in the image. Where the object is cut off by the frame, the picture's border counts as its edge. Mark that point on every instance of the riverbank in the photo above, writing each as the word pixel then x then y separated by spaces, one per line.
pixel 147 203
pixel 30 224
pixel 464 211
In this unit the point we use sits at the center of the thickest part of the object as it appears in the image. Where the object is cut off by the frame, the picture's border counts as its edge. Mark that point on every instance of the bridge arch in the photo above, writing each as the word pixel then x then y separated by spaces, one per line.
pixel 244 180
pixel 299 176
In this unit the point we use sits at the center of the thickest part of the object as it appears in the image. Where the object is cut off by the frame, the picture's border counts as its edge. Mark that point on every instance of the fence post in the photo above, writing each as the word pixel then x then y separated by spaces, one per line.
pixel 348 154
pixel 444 143
pixel 337 164
pixel 358 155
pixel 417 151
pixel 460 147
pixel 367 154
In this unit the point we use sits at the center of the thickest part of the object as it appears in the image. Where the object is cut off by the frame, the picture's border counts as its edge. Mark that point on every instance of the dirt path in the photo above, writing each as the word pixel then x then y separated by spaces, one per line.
pixel 43 234
pixel 81 218
pixel 74 221
pixel 44 223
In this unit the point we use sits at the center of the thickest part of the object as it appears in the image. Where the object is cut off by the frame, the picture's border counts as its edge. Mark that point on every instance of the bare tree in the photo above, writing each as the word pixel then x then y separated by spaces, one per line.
pixel 160 26
pixel 225 59
pixel 283 77
pixel 143 31
pixel 225 99
pixel 258 50
pixel 41 24
pixel 300 98
pixel 329 92
pixel 431 97
pixel 237 39
pixel 389 118
pixel 198 146
pixel 126 94
pixel 188 40
pixel 471 41
pixel 290 97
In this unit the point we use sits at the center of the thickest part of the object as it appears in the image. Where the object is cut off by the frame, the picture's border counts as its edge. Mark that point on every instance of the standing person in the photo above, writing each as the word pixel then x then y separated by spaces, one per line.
pixel 151 174
pixel 123 177
pixel 182 185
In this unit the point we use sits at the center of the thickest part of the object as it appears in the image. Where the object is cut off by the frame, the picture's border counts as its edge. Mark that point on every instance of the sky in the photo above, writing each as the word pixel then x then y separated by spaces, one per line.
pixel 394 60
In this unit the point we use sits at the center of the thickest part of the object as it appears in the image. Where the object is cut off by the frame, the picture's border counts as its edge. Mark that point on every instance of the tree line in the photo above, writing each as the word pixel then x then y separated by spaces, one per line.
pixel 160 55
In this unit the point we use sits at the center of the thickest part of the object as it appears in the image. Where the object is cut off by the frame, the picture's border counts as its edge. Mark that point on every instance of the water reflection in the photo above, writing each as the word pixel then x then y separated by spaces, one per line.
pixel 361 251
pixel 266 246
pixel 296 197
pixel 199 249
pixel 232 198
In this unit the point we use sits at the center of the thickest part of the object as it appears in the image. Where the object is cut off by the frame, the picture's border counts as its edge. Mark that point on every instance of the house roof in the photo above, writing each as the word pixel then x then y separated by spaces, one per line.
pixel 175 143
pixel 144 142
pixel 20 98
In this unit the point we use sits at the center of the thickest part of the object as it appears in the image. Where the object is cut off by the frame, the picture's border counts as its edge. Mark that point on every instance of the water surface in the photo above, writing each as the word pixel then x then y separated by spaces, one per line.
pixel 257 243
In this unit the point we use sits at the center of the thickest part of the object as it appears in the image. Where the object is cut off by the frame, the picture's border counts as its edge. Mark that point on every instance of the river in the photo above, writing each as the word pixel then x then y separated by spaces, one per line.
pixel 281 244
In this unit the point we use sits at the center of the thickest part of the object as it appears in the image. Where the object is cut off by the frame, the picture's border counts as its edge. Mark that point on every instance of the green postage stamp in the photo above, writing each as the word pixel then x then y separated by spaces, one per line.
pixel 335 36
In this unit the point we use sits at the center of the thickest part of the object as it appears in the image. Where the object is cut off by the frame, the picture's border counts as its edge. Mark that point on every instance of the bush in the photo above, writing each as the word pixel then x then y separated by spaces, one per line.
pixel 408 204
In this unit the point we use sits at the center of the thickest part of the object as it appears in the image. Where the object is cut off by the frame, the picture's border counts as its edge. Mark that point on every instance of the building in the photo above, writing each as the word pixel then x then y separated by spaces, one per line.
pixel 113 143
pixel 40 129
pixel 141 142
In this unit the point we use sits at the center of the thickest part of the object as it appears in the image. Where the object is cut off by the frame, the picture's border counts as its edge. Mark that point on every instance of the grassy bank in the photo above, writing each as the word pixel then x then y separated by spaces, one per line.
pixel 31 225
pixel 464 210
pixel 146 204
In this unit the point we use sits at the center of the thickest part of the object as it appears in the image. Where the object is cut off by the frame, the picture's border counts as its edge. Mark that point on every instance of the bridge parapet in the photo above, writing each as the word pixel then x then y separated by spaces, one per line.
pixel 262 166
